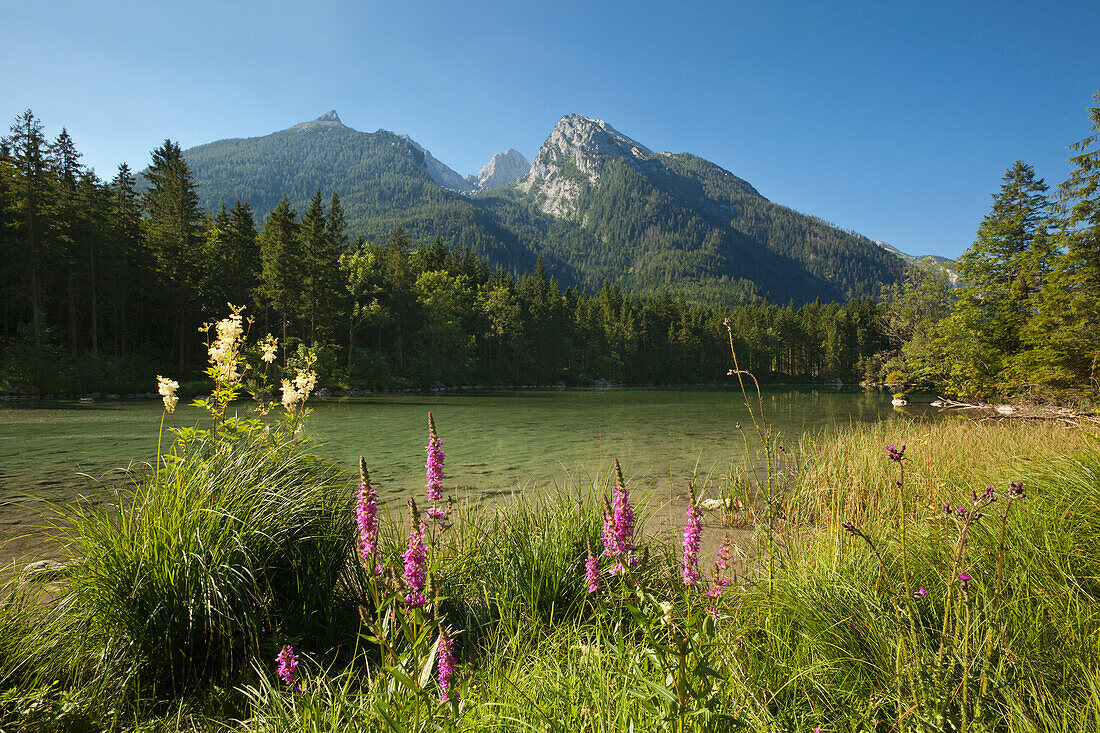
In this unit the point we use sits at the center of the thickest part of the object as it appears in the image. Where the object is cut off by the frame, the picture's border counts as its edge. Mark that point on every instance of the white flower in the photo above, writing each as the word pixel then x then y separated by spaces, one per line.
pixel 268 347
pixel 666 613
pixel 290 395
pixel 167 389
pixel 226 347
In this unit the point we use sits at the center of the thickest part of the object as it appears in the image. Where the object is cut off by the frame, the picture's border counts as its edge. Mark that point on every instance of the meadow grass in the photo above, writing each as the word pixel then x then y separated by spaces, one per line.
pixel 187 587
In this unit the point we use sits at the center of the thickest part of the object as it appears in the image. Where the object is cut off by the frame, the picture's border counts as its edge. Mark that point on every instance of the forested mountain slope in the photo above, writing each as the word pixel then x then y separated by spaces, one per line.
pixel 595 205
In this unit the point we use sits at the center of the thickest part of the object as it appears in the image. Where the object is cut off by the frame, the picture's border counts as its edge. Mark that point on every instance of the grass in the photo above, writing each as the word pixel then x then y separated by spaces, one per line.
pixel 188 586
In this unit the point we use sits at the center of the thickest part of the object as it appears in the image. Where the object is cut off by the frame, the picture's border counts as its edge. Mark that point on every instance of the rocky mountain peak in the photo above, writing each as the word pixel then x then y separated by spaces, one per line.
pixel 443 175
pixel 502 170
pixel 575 153
pixel 327 120
pixel 329 116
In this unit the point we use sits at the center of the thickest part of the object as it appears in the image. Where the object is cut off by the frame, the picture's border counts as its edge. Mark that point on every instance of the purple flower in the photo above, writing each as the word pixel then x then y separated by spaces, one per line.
pixel 592 571
pixel 692 530
pixel 434 466
pixel 446 667
pixel 920 593
pixel 722 559
pixel 1016 490
pixel 288 667
pixel 895 454
pixel 416 569
pixel 726 321
pixel 850 528
pixel 366 516
pixel 618 528
pixel 964 582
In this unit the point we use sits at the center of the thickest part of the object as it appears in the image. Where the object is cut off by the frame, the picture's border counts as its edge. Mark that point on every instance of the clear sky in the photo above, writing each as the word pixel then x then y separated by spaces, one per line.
pixel 895 119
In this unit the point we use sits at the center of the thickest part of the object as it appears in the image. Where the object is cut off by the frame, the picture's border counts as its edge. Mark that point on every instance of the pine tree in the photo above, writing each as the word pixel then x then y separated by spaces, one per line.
pixel 244 254
pixel 281 257
pixel 1065 333
pixel 174 226
pixel 32 205
pixel 1003 271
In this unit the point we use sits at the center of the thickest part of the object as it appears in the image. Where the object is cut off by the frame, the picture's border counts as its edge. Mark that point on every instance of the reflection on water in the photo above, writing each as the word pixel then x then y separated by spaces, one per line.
pixel 496 442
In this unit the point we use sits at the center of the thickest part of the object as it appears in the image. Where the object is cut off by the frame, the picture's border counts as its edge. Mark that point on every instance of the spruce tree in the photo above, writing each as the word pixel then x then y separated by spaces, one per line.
pixel 174 227
pixel 1065 333
pixel 281 258
pixel 1002 271
pixel 32 199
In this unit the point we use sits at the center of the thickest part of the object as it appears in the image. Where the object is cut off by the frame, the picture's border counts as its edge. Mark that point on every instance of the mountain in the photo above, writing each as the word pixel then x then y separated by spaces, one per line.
pixel 442 174
pixel 594 204
pixel 503 169
pixel 663 219
pixel 944 266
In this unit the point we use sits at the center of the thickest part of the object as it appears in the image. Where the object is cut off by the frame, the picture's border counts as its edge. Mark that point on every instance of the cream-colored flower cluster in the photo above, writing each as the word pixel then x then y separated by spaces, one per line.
pixel 300 389
pixel 167 389
pixel 268 347
pixel 225 350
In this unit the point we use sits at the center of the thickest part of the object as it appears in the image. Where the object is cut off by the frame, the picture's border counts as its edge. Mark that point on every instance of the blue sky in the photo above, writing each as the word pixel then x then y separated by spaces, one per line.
pixel 896 120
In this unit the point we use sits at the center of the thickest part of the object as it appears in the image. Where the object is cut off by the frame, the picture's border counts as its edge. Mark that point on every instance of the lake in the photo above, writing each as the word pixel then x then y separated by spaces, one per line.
pixel 496 442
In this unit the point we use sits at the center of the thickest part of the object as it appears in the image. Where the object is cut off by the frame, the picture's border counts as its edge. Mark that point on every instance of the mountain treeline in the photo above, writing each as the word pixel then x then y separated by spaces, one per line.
pixel 105 284
pixel 648 224
pixel 1027 319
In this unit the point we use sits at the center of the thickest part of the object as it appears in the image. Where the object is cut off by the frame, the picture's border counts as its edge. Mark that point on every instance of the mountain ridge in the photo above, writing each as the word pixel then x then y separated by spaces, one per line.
pixel 595 204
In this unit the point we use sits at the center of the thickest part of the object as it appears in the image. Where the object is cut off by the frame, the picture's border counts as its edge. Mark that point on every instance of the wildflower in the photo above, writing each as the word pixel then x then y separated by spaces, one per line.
pixel 592 571
pixel 268 346
pixel 290 395
pixel 434 466
pixel 920 593
pixel 416 569
pixel 304 382
pixel 692 531
pixel 618 527
pixel 446 666
pixel 1016 490
pixel 167 389
pixel 366 516
pixel 726 321
pixel 964 582
pixel 895 454
pixel 850 528
pixel 224 351
pixel 722 559
pixel 288 667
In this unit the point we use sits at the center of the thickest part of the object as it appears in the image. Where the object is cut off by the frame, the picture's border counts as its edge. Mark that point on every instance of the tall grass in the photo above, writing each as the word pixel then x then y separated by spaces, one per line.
pixel 184 582
pixel 194 580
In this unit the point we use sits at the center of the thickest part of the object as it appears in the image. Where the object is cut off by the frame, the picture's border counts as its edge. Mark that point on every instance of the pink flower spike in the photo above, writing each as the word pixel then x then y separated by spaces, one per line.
pixel 416 569
pixel 592 571
pixel 692 531
pixel 618 528
pixel 433 469
pixel 446 667
pixel 288 667
pixel 366 516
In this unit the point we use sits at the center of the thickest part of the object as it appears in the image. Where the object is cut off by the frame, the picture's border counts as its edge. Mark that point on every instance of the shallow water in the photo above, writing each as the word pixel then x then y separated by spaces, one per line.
pixel 496 442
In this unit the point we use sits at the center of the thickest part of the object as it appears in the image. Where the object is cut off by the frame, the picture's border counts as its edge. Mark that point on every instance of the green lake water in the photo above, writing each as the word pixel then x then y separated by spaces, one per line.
pixel 496 442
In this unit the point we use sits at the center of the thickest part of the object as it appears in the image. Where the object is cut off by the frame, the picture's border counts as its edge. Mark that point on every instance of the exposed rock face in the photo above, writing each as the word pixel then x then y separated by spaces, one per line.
pixel 946 267
pixel 443 175
pixel 328 119
pixel 573 157
pixel 504 169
